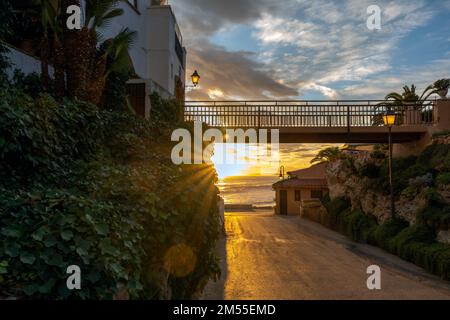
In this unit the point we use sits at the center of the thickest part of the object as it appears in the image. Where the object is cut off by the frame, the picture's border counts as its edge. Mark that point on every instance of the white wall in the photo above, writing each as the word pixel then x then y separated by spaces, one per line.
pixel 135 21
pixel 153 52
pixel 164 62
pixel 24 62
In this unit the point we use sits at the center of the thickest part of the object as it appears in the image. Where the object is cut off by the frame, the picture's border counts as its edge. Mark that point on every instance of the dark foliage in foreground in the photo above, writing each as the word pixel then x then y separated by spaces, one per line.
pixel 80 186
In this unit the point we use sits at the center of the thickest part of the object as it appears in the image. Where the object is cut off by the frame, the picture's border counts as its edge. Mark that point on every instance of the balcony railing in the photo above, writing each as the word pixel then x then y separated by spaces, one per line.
pixel 279 114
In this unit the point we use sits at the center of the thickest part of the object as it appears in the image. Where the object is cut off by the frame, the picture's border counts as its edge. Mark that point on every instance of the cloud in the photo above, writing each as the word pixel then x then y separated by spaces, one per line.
pixel 329 43
pixel 233 75
pixel 226 74
pixel 304 46
pixel 200 18
pixel 328 92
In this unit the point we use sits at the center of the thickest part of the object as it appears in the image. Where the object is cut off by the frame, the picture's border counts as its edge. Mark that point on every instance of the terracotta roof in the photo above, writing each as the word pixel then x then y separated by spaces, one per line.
pixel 314 172
pixel 297 183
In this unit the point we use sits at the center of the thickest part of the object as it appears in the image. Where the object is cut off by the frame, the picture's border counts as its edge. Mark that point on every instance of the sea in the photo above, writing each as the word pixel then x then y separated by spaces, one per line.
pixel 248 190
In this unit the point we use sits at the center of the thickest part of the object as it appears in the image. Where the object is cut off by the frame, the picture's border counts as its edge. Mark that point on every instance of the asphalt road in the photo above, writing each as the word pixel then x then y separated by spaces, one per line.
pixel 273 257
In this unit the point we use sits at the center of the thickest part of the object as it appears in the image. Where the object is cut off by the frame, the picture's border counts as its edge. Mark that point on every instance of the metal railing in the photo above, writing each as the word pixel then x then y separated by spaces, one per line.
pixel 278 114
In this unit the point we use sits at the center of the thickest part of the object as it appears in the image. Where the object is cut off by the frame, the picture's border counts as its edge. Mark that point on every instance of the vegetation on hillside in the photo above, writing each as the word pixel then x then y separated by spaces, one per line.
pixel 425 174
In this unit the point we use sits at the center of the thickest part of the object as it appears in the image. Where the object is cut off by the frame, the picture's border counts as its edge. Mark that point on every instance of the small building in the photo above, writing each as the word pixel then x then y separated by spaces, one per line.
pixel 301 186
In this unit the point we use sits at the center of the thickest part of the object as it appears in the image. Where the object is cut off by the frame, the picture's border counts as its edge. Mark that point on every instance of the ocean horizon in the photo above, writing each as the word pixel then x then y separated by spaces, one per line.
pixel 248 190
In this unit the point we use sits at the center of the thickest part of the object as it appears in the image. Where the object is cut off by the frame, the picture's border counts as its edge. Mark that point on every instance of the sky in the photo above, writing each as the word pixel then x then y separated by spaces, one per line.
pixel 302 49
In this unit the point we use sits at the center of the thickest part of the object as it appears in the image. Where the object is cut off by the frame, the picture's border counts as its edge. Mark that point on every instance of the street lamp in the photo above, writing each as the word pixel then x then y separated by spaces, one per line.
pixel 389 119
pixel 195 78
pixel 281 172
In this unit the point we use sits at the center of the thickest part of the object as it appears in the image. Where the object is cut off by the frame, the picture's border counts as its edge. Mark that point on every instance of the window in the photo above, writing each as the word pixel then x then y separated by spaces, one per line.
pixel 297 195
pixel 316 194
pixel 179 49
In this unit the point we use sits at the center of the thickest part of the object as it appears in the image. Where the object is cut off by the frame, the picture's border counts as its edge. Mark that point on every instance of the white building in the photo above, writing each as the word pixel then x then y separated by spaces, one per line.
pixel 158 55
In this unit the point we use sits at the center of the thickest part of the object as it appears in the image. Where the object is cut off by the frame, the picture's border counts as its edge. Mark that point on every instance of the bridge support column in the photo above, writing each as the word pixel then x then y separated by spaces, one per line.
pixel 441 117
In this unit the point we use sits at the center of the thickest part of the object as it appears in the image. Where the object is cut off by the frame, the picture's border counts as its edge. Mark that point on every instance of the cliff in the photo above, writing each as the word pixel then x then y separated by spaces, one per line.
pixel 421 185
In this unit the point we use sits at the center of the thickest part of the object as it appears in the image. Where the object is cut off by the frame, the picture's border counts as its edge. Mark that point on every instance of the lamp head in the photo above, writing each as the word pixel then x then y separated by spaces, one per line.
pixel 389 118
pixel 195 78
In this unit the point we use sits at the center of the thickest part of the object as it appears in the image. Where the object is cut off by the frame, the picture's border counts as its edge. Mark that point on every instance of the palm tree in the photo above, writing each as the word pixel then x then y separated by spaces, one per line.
pixel 409 95
pixel 113 57
pixel 80 47
pixel 48 17
pixel 405 103
pixel 327 155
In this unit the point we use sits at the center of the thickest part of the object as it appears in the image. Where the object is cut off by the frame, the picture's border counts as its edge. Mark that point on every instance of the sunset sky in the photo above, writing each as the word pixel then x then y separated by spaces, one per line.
pixel 300 49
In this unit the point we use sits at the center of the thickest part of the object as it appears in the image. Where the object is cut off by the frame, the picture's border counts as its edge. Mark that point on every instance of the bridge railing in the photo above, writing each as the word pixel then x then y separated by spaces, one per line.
pixel 279 114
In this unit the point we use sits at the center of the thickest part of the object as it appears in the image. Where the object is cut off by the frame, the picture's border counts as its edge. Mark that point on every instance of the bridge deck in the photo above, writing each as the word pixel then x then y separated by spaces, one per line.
pixel 352 121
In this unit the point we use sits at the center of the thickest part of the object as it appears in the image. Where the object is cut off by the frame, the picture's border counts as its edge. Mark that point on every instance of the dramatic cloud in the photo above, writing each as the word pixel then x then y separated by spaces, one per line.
pixel 234 75
pixel 303 48
pixel 226 74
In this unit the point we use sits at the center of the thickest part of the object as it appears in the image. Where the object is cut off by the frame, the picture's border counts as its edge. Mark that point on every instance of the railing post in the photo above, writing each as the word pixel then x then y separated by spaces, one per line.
pixel 259 117
pixel 348 118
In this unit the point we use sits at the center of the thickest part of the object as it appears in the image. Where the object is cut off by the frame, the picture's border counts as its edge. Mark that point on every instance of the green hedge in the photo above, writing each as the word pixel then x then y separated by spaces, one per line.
pixel 98 189
pixel 416 244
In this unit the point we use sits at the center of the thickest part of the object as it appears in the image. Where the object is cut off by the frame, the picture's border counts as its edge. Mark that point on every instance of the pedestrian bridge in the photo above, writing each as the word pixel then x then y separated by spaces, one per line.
pixel 343 121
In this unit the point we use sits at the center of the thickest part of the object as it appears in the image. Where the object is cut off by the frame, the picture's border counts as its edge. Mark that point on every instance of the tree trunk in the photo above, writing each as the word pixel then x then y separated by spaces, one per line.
pixel 59 73
pixel 44 53
pixel 76 52
pixel 97 81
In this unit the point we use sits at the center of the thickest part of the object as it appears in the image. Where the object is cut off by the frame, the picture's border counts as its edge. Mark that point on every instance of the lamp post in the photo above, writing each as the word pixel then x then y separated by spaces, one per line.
pixel 389 119
pixel 281 172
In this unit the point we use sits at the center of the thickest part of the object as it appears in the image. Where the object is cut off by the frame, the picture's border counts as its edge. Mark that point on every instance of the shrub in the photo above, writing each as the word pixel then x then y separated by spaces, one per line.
pixel 378 154
pixel 443 178
pixel 436 213
pixel 416 244
pixel 387 230
pixel 410 192
pixel 46 231
pixel 436 156
pixel 98 189
pixel 356 224
pixel 441 133
pixel 334 208
pixel 370 170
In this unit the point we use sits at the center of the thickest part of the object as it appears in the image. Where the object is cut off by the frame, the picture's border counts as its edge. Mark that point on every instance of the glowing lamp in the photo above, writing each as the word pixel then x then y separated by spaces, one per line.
pixel 195 78
pixel 389 118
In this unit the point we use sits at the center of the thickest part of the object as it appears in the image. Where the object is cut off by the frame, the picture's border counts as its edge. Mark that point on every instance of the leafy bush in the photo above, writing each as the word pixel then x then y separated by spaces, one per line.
pixel 165 111
pixel 410 192
pixel 436 213
pixel 30 83
pixel 416 244
pixel 436 156
pixel 334 208
pixel 46 231
pixel 443 178
pixel 98 189
pixel 378 154
pixel 387 230
pixel 441 133
pixel 370 170
pixel 356 224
